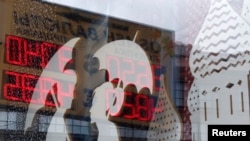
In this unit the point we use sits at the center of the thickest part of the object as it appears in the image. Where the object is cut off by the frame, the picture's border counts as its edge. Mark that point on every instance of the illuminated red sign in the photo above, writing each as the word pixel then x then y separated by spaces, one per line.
pixel 138 106
pixel 34 54
pixel 134 72
pixel 124 103
pixel 20 87
pixel 134 106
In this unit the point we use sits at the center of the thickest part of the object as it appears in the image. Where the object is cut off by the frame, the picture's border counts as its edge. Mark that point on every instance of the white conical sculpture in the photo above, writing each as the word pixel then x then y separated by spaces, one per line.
pixel 245 13
pixel 219 61
pixel 166 124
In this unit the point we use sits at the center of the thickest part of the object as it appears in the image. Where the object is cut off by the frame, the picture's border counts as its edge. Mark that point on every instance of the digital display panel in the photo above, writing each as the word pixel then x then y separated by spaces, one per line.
pixel 131 71
pixel 30 53
pixel 20 87
pixel 34 54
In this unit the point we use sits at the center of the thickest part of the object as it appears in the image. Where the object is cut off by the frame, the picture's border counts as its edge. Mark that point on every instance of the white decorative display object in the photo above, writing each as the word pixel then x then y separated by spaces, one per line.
pixel 220 63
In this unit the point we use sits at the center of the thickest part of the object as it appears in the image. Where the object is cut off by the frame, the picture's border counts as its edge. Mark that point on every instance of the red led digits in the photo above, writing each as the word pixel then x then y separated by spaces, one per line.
pixel 29 53
pixel 13 88
pixel 143 108
pixel 143 77
pixel 28 84
pixel 126 70
pixel 48 50
pixel 62 53
pixel 133 72
pixel 15 50
pixel 44 87
pixel 137 106
pixel 32 54
pixel 128 106
pixel 20 87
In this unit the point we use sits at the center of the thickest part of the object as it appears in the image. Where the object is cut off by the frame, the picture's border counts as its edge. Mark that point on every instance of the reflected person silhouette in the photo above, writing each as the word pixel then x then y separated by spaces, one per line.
pixel 99 113
pixel 59 119
pixel 36 117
